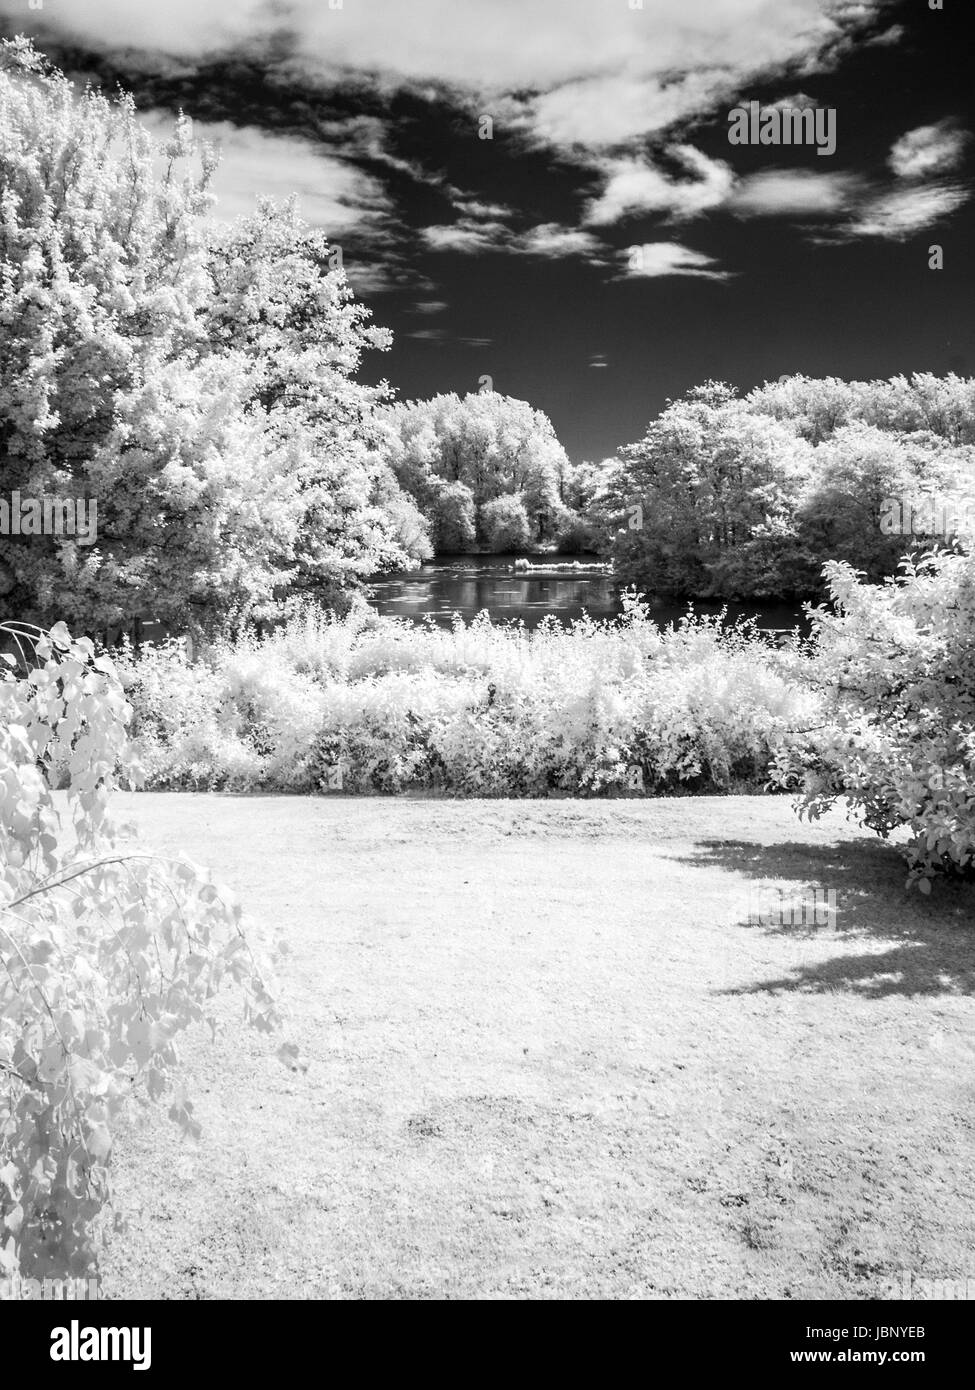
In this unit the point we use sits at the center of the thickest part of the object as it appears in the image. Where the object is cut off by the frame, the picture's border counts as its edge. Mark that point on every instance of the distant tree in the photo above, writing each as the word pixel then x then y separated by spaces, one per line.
pixel 709 485
pixel 923 402
pixel 454 519
pixel 505 525
pixel 492 444
pixel 853 473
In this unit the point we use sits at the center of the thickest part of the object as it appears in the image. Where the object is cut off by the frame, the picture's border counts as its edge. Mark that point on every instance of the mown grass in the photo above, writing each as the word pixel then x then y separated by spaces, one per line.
pixel 548 1057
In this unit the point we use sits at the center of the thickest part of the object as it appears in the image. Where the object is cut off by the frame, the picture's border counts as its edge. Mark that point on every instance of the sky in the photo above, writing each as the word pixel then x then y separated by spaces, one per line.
pixel 544 193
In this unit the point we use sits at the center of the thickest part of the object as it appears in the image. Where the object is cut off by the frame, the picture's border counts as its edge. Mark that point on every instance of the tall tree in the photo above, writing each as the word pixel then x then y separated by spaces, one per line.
pixel 491 444
pixel 198 384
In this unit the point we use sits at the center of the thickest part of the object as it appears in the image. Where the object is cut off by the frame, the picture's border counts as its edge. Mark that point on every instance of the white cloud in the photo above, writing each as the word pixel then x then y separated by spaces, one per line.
pixel 930 149
pixel 332 194
pixel 888 37
pixel 554 241
pixel 799 101
pixel 549 240
pixel 601 74
pixel 634 186
pixel 467 236
pixel 895 216
pixel 429 335
pixel 793 192
pixel 658 258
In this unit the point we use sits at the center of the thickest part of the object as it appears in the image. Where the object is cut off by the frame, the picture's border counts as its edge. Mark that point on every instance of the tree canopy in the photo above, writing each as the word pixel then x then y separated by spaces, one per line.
pixel 199 382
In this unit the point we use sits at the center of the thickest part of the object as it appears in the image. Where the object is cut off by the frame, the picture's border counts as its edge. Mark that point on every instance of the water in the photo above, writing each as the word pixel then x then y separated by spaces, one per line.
pixel 466 584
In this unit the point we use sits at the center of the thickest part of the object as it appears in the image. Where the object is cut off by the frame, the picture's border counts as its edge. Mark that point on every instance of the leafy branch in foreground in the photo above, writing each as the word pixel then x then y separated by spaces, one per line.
pixel 107 954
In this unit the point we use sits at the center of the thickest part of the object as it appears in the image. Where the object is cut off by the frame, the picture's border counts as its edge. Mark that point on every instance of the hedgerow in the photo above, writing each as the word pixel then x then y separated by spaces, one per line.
pixel 377 705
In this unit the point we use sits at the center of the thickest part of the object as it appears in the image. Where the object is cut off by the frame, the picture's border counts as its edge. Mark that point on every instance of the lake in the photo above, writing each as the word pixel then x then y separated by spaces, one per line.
pixel 466 584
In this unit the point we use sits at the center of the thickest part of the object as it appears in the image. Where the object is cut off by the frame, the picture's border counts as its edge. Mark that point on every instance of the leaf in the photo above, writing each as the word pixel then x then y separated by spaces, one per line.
pixel 99 1143
pixel 14 1219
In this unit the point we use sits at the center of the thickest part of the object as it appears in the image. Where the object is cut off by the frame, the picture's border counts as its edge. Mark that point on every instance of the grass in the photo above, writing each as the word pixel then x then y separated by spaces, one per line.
pixel 548 1057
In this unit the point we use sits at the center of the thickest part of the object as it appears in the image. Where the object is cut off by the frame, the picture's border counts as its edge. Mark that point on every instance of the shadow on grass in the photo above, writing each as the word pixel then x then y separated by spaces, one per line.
pixel 923 945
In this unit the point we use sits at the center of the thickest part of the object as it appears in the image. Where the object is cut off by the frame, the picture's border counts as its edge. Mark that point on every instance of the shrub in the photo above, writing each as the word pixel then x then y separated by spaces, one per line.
pixel 896 664
pixel 505 525
pixel 106 955
pixel 371 704
pixel 454 519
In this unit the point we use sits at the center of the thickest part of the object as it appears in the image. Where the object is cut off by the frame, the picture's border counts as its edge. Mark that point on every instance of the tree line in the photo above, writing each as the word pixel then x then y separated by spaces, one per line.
pixel 202 382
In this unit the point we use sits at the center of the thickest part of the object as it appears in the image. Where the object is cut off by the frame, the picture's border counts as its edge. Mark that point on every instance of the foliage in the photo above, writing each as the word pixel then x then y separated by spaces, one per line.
pixel 196 382
pixel 896 667
pixel 749 498
pixel 107 954
pixel 505 525
pixel 923 402
pixel 714 484
pixel 371 704
pixel 492 444
pixel 454 519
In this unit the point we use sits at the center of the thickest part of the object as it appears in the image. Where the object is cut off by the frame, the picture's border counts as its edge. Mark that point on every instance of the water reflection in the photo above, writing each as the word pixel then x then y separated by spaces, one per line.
pixel 468 584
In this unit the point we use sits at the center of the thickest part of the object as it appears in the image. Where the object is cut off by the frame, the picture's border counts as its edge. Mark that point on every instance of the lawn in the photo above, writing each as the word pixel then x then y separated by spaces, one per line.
pixel 549 1057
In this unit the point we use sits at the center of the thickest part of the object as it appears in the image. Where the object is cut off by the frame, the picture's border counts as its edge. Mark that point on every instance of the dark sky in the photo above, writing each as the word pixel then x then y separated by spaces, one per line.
pixel 511 257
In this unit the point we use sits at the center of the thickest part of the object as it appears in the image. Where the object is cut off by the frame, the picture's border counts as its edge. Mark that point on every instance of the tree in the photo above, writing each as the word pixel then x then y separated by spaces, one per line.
pixel 492 444
pixel 198 383
pixel 699 497
pixel 279 300
pixel 854 472
pixel 454 519
pixel 505 525
pixel 944 406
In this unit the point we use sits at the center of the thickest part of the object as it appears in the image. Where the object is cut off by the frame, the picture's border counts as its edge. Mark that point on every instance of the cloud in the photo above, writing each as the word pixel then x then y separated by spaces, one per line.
pixel 793 192
pixel 888 37
pixel 549 240
pixel 898 215
pixel 659 258
pixel 554 241
pixel 471 207
pixel 333 194
pixel 441 336
pixel 468 236
pixel 635 186
pixel 429 306
pixel 930 149
pixel 799 101
pixel 570 72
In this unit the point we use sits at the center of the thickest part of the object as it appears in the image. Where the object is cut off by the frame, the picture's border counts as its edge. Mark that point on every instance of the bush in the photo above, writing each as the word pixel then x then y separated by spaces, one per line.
pixel 371 704
pixel 576 536
pixel 505 525
pixel 107 954
pixel 896 665
pixel 454 519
